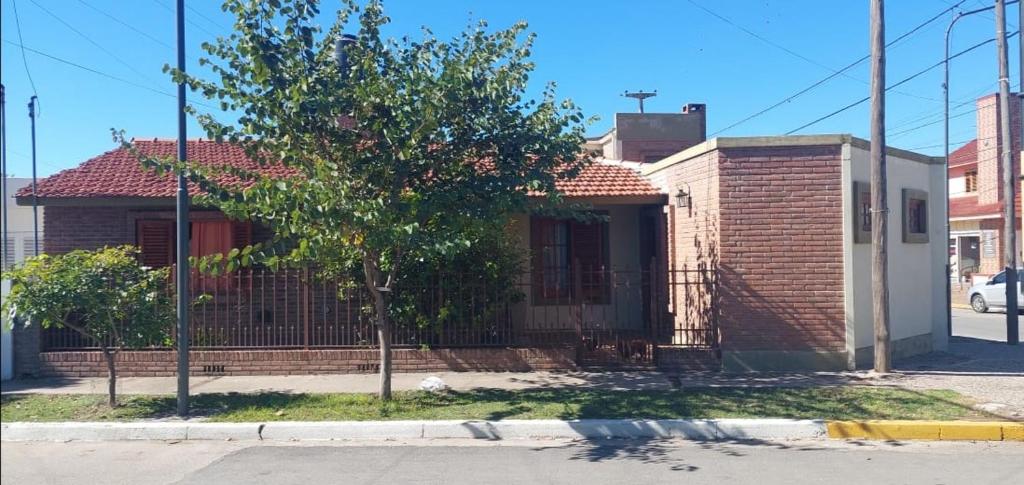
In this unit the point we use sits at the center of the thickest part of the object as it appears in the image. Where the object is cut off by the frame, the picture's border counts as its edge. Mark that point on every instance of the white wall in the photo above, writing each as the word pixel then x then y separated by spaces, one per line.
pixel 917 302
pixel 20 242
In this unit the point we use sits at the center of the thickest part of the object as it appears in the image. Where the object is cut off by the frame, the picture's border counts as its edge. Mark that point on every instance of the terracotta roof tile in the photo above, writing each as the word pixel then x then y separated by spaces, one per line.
pixel 965 155
pixel 119 174
pixel 603 179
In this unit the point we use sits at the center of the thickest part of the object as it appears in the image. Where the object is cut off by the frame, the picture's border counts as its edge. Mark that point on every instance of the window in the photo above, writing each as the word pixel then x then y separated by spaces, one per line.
pixel 155 238
pixel 915 216
pixel 971 181
pixel 999 278
pixel 560 247
pixel 861 212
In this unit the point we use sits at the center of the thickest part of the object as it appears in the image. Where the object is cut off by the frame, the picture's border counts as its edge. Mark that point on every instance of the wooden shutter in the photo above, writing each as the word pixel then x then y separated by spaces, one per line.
pixel 537 259
pixel 241 234
pixel 155 238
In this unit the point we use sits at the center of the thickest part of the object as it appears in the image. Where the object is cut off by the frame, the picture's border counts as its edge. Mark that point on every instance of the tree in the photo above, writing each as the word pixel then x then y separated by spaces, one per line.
pixel 104 295
pixel 397 149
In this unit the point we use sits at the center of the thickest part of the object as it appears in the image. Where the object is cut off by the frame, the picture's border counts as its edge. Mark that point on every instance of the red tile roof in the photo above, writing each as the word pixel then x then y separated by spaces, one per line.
pixel 606 180
pixel 968 206
pixel 118 173
pixel 965 155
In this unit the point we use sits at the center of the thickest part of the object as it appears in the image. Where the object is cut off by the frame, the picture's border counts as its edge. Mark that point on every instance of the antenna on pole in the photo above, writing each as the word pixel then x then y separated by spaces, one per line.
pixel 640 96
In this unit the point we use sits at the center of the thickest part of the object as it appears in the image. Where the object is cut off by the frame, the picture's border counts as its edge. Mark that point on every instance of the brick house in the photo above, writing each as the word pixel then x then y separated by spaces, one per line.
pixel 785 223
pixel 594 276
pixel 976 194
pixel 733 253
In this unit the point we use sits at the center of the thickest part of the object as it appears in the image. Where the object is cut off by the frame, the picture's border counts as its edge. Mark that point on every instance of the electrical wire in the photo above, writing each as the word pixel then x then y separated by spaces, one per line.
pixel 101 73
pixel 90 40
pixel 126 24
pixel 24 59
pixel 834 74
pixel 901 82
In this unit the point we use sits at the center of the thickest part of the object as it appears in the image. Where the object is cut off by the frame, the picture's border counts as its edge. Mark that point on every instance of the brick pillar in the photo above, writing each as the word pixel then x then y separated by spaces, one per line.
pixel 990 187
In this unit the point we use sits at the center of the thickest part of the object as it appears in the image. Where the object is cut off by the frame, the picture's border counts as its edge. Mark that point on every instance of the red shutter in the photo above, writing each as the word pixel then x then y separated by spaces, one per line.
pixel 155 238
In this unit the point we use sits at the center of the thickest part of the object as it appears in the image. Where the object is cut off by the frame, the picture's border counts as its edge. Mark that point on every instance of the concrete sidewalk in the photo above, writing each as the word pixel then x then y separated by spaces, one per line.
pixel 334 383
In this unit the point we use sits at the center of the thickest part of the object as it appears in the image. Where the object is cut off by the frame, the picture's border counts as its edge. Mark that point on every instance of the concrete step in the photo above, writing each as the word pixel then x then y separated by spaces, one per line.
pixel 683 359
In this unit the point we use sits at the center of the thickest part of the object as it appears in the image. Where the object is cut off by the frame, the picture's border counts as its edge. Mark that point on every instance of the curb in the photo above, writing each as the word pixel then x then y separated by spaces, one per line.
pixel 696 429
pixel 961 306
pixel 927 430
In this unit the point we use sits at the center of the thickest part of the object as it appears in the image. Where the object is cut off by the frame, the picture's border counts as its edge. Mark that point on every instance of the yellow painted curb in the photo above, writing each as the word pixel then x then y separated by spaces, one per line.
pixel 1013 432
pixel 927 430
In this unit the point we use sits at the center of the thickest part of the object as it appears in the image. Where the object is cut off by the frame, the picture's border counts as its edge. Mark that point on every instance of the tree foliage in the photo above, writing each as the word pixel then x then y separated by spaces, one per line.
pixel 104 295
pixel 404 152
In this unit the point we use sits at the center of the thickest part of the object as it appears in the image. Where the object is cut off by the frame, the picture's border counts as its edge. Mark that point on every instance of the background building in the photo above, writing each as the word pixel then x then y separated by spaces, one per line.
pixel 19 245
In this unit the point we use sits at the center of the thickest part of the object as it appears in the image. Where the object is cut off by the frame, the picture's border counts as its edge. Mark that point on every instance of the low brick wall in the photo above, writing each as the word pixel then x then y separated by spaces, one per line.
pixel 289 362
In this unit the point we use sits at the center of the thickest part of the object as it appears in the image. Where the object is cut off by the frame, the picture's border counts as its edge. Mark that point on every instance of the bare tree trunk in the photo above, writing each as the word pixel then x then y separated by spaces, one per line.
pixel 111 377
pixel 377 288
pixel 384 335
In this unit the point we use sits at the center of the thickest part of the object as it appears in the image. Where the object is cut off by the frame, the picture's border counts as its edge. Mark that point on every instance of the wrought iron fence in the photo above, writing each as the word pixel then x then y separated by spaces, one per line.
pixel 296 308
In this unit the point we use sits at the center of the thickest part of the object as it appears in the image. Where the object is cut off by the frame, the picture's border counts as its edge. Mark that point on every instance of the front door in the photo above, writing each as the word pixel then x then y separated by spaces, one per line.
pixel 969 257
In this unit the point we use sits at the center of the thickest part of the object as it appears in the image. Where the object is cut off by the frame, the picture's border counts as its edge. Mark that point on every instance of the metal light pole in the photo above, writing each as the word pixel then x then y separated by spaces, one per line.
pixel 182 223
pixel 3 170
pixel 1009 181
pixel 945 97
pixel 35 199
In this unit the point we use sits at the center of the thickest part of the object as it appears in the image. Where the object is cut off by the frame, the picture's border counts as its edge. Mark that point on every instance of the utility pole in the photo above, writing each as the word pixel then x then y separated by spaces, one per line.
pixel 1009 179
pixel 182 225
pixel 35 199
pixel 879 203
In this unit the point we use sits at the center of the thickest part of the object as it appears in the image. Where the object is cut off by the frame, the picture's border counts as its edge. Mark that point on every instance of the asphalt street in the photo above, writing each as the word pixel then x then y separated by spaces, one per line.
pixel 985 326
pixel 527 462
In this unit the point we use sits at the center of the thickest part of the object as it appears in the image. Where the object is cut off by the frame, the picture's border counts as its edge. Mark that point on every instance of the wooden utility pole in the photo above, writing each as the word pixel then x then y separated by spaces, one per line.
pixel 1009 178
pixel 879 200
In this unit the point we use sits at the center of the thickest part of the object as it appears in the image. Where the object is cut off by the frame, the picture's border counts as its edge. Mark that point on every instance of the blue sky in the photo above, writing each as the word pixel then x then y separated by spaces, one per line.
pixel 593 50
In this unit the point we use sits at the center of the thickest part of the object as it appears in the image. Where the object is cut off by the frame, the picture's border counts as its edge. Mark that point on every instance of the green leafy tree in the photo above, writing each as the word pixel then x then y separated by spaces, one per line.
pixel 104 295
pixel 398 149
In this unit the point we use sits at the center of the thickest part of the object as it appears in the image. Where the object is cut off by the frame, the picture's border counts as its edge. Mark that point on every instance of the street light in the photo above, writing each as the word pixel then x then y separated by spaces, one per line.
pixel 945 96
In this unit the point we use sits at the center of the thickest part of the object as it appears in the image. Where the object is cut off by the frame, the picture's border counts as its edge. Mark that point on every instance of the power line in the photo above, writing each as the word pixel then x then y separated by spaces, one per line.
pixel 194 24
pixel 24 60
pixel 126 24
pixel 101 73
pixel 841 72
pixel 930 123
pixel 834 73
pixel 903 81
pixel 90 40
pixel 204 17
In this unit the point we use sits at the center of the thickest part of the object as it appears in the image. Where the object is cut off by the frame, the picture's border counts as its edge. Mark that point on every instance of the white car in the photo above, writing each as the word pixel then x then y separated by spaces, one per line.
pixel 992 293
